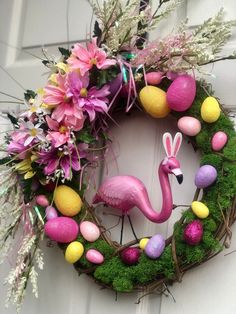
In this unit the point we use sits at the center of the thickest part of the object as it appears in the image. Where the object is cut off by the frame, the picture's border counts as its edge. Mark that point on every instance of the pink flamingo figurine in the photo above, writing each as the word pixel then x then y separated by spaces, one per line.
pixel 126 192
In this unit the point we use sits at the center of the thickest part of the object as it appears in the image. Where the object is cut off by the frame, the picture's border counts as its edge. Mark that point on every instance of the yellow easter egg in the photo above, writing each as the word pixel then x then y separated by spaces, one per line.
pixel 153 99
pixel 143 242
pixel 200 209
pixel 210 110
pixel 67 201
pixel 74 251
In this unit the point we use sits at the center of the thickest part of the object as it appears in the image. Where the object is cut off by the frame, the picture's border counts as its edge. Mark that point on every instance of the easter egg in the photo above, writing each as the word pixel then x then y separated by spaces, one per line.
pixel 89 231
pixel 74 251
pixel 143 242
pixel 193 232
pixel 61 229
pixel 94 256
pixel 130 255
pixel 67 201
pixel 219 140
pixel 205 176
pixel 189 125
pixel 51 212
pixel 153 99
pixel 210 110
pixel 154 78
pixel 42 200
pixel 155 246
pixel 200 209
pixel 181 93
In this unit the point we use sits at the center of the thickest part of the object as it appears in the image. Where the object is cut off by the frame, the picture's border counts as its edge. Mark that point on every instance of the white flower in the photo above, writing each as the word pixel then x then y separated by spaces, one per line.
pixel 36 106
pixel 34 132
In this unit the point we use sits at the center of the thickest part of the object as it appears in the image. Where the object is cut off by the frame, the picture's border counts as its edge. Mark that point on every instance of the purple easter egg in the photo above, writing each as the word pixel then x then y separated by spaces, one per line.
pixel 94 256
pixel 62 229
pixel 51 213
pixel 181 93
pixel 205 176
pixel 130 255
pixel 219 140
pixel 42 200
pixel 155 246
pixel 154 78
pixel 193 232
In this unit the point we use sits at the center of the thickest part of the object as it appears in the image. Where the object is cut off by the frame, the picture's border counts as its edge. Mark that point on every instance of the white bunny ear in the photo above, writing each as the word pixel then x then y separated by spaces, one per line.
pixel 167 143
pixel 176 144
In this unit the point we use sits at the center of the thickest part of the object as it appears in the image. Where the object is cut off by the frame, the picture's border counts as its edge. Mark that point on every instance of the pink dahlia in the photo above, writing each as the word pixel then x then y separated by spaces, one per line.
pixel 59 134
pixel 84 59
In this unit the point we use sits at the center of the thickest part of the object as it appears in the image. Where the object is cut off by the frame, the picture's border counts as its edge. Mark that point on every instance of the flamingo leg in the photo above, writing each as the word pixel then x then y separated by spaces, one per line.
pixel 122 228
pixel 132 227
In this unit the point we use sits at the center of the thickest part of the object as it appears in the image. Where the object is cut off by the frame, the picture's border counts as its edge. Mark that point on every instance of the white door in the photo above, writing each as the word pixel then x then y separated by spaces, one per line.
pixel 30 24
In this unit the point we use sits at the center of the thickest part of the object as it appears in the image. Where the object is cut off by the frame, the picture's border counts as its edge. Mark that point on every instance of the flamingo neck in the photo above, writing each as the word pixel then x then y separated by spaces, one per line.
pixel 167 202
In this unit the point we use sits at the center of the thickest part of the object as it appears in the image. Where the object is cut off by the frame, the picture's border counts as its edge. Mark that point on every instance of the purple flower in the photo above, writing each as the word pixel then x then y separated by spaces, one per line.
pixel 66 159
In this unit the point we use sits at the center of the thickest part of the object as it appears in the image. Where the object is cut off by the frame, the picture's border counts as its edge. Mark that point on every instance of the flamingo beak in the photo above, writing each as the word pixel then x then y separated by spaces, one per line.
pixel 179 175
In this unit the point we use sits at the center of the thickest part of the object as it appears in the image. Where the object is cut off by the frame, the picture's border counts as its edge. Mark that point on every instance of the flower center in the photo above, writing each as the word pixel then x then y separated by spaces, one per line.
pixel 63 129
pixel 93 61
pixel 33 109
pixel 33 132
pixel 83 92
pixel 60 154
pixel 66 99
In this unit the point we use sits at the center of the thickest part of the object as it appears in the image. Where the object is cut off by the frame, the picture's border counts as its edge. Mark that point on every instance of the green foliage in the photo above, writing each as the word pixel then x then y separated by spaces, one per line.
pixel 65 52
pixel 13 120
pixel 213 160
pixel 29 94
pixel 122 284
pixel 230 149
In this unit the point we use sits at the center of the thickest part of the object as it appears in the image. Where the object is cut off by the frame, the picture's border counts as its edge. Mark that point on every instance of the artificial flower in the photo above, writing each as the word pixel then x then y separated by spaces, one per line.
pixel 34 132
pixel 84 59
pixel 59 134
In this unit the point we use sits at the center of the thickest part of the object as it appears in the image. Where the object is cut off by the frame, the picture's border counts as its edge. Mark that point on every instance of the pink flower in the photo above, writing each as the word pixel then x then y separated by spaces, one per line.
pixel 60 133
pixel 65 159
pixel 84 59
pixel 90 100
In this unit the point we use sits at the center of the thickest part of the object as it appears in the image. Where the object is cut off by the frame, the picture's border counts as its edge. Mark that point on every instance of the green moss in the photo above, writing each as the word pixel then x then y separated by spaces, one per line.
pixel 122 284
pixel 194 254
pixel 230 149
pixel 213 160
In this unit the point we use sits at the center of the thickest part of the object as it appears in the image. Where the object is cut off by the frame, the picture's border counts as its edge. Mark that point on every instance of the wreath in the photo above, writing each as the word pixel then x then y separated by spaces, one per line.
pixel 64 132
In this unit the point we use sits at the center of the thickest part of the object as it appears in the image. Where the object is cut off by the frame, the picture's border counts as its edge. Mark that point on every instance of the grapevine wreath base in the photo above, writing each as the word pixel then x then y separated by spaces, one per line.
pixel 65 131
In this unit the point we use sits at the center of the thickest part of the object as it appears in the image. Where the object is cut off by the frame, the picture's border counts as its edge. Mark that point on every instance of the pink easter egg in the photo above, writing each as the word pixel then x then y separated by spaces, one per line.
pixel 189 125
pixel 154 78
pixel 130 255
pixel 94 256
pixel 42 200
pixel 89 231
pixel 193 232
pixel 62 229
pixel 181 93
pixel 219 140
pixel 51 213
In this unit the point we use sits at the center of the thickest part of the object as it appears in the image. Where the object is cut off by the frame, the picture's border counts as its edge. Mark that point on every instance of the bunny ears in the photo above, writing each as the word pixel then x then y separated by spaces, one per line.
pixel 172 147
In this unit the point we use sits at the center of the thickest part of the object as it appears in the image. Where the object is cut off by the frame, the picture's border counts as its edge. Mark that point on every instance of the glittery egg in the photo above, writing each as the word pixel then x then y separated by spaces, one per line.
pixel 42 200
pixel 193 232
pixel 94 256
pixel 155 246
pixel 74 251
pixel 130 255
pixel 219 140
pixel 189 125
pixel 181 93
pixel 61 229
pixel 200 209
pixel 51 212
pixel 210 110
pixel 154 78
pixel 143 242
pixel 89 231
pixel 205 176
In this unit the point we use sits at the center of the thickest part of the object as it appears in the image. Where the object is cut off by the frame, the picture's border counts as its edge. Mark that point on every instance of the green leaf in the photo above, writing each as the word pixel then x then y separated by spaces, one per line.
pixel 4 160
pixel 29 94
pixel 97 32
pixel 13 119
pixel 65 52
pixel 86 137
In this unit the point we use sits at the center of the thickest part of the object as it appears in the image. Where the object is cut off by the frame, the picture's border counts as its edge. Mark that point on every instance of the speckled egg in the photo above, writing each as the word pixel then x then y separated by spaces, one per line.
pixel 189 125
pixel 181 93
pixel 143 242
pixel 210 110
pixel 205 176
pixel 200 209
pixel 62 229
pixel 74 251
pixel 219 140
pixel 89 231
pixel 155 246
pixel 42 200
pixel 193 232
pixel 94 256
pixel 130 255
pixel 154 78
pixel 153 99
pixel 51 213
